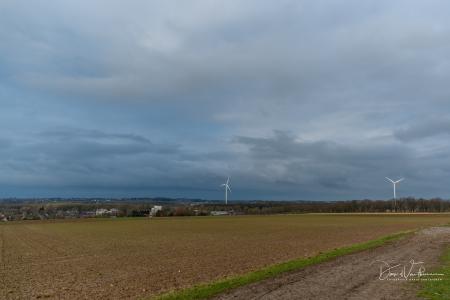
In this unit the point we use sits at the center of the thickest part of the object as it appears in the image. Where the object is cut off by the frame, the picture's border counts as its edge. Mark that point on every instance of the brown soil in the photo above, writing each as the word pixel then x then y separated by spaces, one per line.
pixel 355 276
pixel 138 258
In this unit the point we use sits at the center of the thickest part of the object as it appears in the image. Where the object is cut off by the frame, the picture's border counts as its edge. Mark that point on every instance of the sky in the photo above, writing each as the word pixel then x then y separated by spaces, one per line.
pixel 314 100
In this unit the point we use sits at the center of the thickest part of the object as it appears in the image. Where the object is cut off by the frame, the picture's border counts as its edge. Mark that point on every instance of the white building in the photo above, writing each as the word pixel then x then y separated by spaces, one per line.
pixel 155 209
pixel 106 212
pixel 219 213
pixel 101 211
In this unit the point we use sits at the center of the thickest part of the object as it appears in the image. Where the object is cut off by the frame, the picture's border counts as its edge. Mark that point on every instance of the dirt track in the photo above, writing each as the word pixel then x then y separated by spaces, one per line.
pixel 356 276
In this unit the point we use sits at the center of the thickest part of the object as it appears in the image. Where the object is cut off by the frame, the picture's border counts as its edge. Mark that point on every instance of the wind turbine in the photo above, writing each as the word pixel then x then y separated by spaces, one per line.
pixel 394 183
pixel 227 188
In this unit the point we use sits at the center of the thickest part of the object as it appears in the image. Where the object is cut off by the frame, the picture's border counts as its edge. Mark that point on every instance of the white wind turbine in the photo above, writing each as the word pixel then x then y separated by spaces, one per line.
pixel 394 183
pixel 227 188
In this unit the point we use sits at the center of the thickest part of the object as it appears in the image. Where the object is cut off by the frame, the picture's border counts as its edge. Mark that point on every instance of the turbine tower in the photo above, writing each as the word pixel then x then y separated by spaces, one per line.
pixel 394 183
pixel 227 188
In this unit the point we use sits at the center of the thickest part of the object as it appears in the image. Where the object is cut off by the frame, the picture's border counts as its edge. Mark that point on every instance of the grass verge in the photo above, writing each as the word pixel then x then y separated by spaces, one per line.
pixel 204 291
pixel 438 290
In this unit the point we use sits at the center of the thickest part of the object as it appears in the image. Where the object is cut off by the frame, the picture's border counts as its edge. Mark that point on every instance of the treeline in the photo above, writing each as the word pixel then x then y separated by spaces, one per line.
pixel 273 207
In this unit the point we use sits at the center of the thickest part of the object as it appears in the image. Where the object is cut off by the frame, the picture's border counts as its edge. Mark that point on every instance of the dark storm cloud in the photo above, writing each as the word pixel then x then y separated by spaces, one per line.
pixel 284 146
pixel 328 166
pixel 293 99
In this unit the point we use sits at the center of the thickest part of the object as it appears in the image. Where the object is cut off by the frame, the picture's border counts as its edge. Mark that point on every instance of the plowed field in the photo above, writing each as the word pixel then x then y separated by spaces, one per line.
pixel 136 258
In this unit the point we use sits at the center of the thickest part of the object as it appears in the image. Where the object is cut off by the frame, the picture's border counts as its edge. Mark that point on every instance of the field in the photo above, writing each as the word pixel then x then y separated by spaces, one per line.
pixel 136 258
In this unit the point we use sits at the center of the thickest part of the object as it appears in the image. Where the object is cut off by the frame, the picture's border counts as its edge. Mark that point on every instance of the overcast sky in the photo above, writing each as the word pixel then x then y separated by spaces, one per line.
pixel 291 99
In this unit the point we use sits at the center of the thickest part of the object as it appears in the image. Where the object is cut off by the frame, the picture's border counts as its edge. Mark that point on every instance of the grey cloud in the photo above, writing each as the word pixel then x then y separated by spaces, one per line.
pixel 70 154
pixel 421 130
pixel 76 133
pixel 283 145
pixel 285 162
pixel 96 143
pixel 251 57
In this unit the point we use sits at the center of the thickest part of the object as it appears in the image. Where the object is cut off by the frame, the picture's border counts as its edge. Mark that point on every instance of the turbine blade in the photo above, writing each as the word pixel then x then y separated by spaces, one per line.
pixel 390 180
pixel 228 180
pixel 401 179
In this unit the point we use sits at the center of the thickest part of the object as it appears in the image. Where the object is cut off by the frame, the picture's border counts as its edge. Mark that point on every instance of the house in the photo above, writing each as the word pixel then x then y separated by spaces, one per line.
pixel 107 212
pixel 101 211
pixel 219 213
pixel 155 210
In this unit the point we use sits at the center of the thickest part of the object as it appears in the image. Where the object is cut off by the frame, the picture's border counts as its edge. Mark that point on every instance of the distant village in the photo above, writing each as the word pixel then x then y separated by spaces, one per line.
pixel 69 209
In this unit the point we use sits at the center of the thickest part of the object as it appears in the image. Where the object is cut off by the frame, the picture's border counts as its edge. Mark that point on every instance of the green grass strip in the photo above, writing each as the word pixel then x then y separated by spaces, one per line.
pixel 204 291
pixel 438 290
